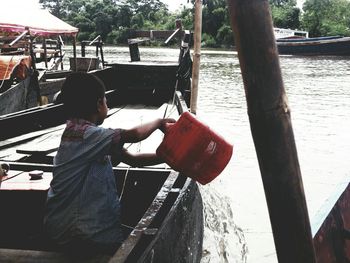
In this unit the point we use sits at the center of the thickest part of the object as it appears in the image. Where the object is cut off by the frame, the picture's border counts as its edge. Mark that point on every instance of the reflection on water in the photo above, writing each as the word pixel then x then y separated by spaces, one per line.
pixel 237 226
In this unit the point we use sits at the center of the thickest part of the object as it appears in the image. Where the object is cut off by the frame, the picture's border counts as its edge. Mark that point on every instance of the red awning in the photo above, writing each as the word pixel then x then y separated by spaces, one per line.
pixel 39 21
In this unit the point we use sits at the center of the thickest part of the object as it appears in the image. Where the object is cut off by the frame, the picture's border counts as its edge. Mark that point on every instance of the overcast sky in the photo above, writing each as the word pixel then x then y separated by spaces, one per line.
pixel 175 4
pixel 172 4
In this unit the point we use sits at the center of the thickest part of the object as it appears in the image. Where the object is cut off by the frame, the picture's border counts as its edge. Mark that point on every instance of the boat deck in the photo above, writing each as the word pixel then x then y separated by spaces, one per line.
pixel 41 146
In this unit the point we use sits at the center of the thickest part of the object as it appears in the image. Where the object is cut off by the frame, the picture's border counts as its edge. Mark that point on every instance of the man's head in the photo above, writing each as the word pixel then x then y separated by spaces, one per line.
pixel 81 94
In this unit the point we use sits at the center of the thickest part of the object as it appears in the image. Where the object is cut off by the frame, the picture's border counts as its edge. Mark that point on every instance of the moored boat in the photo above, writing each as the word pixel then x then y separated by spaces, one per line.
pixel 294 42
pixel 331 226
pixel 34 40
pixel 321 46
pixel 165 223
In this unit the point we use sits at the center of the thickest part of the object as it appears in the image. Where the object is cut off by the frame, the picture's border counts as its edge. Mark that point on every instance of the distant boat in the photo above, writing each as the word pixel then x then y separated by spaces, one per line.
pixel 286 33
pixel 294 42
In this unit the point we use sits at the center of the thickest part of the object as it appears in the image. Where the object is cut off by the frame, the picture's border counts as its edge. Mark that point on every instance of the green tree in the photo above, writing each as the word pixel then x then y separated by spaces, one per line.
pixel 137 21
pixel 113 19
pixel 56 7
pixel 225 36
pixel 214 18
pixel 326 17
pixel 285 14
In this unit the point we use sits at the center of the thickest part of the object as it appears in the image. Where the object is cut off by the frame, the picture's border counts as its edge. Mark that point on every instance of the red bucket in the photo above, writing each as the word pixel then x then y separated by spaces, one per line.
pixel 194 150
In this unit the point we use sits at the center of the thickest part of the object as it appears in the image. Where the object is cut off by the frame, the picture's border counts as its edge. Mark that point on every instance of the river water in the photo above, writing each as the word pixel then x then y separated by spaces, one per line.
pixel 237 227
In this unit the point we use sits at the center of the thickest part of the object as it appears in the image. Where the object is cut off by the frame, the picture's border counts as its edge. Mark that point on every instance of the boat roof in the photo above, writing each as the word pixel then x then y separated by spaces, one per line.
pixel 40 22
pixel 286 32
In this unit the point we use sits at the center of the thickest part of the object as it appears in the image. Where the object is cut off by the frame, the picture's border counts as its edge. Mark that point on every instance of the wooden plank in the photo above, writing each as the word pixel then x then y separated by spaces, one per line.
pixel 16 255
pixel 43 145
pixel 10 174
pixel 23 182
pixel 49 142
pixel 26 137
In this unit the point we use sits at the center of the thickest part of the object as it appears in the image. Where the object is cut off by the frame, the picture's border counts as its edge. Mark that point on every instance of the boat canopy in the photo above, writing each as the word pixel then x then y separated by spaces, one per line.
pixel 39 22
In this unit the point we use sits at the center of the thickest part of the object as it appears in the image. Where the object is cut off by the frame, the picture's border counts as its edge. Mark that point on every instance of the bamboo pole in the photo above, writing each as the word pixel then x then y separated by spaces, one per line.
pixel 271 128
pixel 196 55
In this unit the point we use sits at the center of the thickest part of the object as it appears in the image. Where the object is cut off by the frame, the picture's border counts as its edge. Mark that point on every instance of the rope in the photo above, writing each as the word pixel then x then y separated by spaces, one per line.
pixel 124 183
pixel 172 109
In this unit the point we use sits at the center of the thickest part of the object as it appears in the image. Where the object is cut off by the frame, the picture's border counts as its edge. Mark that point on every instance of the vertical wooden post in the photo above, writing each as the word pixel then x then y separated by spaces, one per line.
pixel 75 53
pixel 178 25
pixel 271 128
pixel 34 81
pixel 45 52
pixel 83 45
pixel 196 55
pixel 100 44
pixel 60 44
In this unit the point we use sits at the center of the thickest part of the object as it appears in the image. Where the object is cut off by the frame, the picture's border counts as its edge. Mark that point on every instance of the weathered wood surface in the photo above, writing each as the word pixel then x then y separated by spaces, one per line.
pixel 24 256
pixel 46 142
pixel 14 99
pixel 22 181
pixel 331 226
pixel 272 131
pixel 129 244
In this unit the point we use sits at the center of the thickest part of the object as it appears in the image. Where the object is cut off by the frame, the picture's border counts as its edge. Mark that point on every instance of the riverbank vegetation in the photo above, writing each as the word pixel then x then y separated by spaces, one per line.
pixel 115 19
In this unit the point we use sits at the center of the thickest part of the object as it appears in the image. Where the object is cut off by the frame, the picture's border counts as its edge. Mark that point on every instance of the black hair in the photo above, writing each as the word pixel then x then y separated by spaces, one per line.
pixel 80 93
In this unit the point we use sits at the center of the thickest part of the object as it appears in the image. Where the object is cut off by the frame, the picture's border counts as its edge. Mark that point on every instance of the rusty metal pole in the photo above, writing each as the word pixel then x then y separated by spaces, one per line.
pixel 271 128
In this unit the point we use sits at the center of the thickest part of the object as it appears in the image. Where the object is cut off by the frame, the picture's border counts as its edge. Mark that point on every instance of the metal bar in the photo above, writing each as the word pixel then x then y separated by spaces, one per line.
pixel 172 35
pixel 18 38
pixel 94 40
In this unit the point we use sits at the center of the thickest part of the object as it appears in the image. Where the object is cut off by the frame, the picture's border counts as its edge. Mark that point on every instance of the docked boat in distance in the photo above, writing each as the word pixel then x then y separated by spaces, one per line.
pixel 294 42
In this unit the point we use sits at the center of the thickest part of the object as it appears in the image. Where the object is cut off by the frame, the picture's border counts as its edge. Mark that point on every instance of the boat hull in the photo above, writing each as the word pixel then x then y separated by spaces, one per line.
pixel 328 46
pixel 332 227
pixel 19 97
pixel 167 210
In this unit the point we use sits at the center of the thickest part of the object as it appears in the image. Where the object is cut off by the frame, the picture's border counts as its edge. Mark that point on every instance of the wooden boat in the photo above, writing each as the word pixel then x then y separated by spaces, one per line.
pixel 32 40
pixel 319 46
pixel 165 223
pixel 331 227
